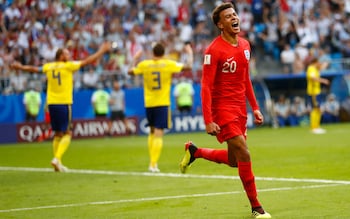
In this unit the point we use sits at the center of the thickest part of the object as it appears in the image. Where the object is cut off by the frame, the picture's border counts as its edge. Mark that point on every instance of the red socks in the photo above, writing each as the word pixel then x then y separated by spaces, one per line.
pixel 247 177
pixel 244 170
pixel 215 155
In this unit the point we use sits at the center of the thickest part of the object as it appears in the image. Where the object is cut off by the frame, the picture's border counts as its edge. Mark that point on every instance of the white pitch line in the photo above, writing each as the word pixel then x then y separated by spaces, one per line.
pixel 159 198
pixel 174 175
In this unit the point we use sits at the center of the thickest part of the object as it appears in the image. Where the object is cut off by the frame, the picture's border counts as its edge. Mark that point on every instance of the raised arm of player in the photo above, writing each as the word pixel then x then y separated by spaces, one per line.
pixel 28 68
pixel 189 61
pixel 106 46
pixel 135 59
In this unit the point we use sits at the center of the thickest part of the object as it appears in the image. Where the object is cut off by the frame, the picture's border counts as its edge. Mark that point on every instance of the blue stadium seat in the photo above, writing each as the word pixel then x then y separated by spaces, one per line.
pixel 336 64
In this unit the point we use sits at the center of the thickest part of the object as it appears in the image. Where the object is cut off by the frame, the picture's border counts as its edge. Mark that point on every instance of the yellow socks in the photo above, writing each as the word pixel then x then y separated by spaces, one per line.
pixel 55 144
pixel 315 118
pixel 62 146
pixel 155 145
pixel 156 150
pixel 150 144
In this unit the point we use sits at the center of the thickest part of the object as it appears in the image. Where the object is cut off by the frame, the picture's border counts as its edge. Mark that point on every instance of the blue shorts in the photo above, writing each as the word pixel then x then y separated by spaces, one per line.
pixel 61 117
pixel 158 117
pixel 314 100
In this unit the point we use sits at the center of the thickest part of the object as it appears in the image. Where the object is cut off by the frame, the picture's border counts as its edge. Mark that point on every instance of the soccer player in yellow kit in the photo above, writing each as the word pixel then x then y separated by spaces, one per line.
pixel 314 81
pixel 157 76
pixel 59 75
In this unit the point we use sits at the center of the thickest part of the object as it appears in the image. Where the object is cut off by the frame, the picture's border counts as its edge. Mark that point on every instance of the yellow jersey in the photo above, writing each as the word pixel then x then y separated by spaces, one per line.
pixel 157 76
pixel 313 87
pixel 60 81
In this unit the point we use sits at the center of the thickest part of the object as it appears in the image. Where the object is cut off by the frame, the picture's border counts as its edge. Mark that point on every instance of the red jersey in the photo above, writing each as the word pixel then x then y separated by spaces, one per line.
pixel 226 83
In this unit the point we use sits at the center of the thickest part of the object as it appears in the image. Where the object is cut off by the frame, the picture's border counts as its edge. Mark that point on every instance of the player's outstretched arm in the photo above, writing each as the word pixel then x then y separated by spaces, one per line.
pixel 27 68
pixel 105 47
pixel 189 62
pixel 135 59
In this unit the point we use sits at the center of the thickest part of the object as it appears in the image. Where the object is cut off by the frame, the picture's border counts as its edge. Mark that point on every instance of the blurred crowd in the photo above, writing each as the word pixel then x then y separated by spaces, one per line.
pixel 289 32
pixel 294 111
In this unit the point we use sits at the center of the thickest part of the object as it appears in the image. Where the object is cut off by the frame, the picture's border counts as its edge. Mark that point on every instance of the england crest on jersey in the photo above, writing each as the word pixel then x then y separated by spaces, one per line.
pixel 247 54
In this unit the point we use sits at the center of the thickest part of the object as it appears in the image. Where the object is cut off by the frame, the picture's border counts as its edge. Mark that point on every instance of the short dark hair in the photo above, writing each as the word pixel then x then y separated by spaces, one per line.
pixel 158 50
pixel 58 53
pixel 216 12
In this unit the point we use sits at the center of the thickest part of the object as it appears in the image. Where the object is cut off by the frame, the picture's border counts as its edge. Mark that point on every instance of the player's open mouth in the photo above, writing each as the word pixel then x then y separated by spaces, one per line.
pixel 235 24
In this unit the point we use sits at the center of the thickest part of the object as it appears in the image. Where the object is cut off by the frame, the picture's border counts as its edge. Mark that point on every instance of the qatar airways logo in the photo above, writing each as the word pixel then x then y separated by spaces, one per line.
pixel 98 128
pixel 30 132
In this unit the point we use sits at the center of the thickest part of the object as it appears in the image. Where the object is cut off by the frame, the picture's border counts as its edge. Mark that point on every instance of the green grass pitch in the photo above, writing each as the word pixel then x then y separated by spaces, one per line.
pixel 298 175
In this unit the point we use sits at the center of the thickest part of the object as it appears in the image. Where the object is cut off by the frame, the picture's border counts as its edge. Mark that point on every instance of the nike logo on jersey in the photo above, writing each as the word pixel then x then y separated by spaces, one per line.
pixel 229 59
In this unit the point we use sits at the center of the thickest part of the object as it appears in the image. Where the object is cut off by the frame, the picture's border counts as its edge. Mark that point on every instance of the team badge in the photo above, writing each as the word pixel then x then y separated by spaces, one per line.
pixel 247 54
pixel 207 58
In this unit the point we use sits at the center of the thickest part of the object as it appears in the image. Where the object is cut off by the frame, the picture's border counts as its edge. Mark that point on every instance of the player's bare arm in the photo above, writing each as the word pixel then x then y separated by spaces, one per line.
pixel 28 68
pixel 324 81
pixel 135 59
pixel 189 62
pixel 105 47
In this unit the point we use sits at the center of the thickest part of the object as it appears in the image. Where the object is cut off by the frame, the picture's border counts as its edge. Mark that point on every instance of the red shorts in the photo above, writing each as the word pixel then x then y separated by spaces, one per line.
pixel 235 128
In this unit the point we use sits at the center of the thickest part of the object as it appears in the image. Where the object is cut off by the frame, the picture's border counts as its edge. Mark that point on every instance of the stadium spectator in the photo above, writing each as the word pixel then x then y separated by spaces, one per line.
pixel 4 77
pixel 201 32
pixel 330 109
pixel 90 79
pixel 225 88
pixel 246 20
pixel 291 36
pixel 12 14
pixel 287 59
pixel 186 30
pixel 18 82
pixel 282 111
pixel 171 8
pixel 47 50
pixel 22 40
pixel 302 51
pixel 307 32
pixel 199 12
pixel 299 112
pixel 324 25
pixel 270 38
pixel 157 74
pixel 60 95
